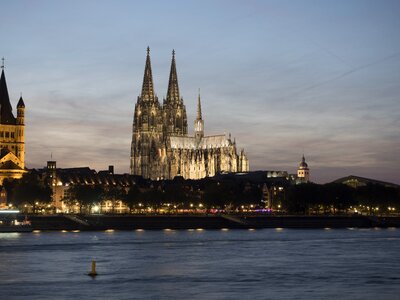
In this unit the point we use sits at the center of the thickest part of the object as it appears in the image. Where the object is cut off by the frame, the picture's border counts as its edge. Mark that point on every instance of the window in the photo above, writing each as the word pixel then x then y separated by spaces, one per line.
pixel 7 134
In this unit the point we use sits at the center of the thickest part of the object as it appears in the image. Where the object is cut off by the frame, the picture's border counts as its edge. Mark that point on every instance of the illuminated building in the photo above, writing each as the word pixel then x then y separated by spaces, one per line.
pixel 62 179
pixel 303 172
pixel 12 136
pixel 161 147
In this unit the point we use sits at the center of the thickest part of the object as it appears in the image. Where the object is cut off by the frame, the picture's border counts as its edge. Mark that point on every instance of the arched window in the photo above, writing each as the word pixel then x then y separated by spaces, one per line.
pixel 178 121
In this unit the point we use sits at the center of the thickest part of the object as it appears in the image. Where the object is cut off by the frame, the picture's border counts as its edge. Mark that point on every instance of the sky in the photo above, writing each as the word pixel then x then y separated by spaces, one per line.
pixel 284 77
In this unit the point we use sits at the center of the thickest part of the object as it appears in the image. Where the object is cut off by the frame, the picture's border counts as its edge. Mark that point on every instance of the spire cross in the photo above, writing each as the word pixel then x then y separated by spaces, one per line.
pixel 173 52
pixel 148 50
pixel 2 63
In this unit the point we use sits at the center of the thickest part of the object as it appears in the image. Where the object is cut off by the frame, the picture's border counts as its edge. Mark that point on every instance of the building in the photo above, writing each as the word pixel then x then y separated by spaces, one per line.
pixel 12 136
pixel 161 147
pixel 62 179
pixel 357 181
pixel 303 172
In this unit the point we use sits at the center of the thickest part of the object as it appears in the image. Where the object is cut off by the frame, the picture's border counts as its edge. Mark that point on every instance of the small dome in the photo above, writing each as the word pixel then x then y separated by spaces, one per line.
pixel 303 163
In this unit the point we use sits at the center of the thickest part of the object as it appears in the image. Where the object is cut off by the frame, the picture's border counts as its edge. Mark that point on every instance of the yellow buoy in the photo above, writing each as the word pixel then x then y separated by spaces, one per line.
pixel 93 272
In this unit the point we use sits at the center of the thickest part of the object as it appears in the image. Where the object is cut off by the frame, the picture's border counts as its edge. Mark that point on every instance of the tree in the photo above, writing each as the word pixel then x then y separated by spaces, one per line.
pixel 86 195
pixel 221 194
pixel 153 198
pixel 114 194
pixel 29 189
pixel 9 185
pixel 377 195
pixel 175 193
pixel 251 195
pixel 300 198
pixel 132 198
pixel 337 195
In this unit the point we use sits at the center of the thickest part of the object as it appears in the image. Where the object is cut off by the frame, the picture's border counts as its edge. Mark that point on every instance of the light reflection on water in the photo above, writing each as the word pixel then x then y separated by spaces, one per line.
pixel 9 235
pixel 202 264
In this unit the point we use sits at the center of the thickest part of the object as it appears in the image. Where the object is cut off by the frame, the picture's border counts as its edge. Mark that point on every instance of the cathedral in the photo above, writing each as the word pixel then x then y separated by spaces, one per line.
pixel 161 146
pixel 12 137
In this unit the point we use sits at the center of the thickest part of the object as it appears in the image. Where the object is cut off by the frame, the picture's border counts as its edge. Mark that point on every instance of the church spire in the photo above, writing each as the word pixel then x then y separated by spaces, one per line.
pixel 147 88
pixel 6 115
pixel 199 123
pixel 199 117
pixel 173 87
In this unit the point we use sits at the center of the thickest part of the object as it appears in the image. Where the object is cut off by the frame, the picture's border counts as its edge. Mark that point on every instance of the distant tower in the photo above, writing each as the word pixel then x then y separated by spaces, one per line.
pixel 303 172
pixel 198 123
pixel 52 172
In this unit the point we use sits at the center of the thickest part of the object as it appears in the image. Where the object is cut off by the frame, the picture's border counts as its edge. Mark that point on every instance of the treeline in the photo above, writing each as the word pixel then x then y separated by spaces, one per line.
pixel 339 198
pixel 229 195
pixel 174 194
pixel 30 190
pixel 34 192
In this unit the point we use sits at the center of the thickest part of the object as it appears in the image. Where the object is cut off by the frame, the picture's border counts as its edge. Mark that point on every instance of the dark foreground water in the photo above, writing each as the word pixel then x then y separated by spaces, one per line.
pixel 208 264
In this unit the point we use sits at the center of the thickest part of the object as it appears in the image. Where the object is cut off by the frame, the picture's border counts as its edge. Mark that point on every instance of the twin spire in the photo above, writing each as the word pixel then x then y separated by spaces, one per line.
pixel 148 86
pixel 173 87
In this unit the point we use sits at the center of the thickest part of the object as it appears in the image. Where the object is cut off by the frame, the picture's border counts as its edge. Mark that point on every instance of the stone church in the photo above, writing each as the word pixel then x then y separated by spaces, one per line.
pixel 161 146
pixel 12 136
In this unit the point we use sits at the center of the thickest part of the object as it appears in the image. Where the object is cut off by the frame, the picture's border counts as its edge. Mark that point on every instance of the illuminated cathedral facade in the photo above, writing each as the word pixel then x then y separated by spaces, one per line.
pixel 161 146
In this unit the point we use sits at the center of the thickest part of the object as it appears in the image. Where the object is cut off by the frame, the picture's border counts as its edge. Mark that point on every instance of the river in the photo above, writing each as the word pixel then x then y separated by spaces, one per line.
pixel 202 264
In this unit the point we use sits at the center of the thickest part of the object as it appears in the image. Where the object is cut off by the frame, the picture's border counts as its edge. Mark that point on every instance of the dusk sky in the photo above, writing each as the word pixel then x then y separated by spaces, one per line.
pixel 284 77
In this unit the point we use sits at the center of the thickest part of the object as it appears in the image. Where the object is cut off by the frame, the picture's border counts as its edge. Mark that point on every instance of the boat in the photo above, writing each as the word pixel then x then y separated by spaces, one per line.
pixel 10 221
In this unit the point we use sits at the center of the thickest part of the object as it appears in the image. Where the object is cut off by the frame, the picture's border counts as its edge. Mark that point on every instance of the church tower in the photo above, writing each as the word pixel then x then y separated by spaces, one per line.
pixel 12 135
pixel 146 148
pixel 174 111
pixel 303 172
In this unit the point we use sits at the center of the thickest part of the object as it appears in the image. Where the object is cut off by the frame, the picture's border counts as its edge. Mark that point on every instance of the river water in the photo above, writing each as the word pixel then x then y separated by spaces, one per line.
pixel 202 264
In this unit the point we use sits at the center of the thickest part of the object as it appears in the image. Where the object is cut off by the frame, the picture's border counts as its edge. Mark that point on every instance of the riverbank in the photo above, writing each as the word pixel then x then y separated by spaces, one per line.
pixel 158 222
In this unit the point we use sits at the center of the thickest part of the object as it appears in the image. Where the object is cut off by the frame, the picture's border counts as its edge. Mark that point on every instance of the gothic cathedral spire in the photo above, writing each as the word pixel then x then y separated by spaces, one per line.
pixel 175 119
pixel 173 87
pixel 199 123
pixel 147 88
pixel 199 117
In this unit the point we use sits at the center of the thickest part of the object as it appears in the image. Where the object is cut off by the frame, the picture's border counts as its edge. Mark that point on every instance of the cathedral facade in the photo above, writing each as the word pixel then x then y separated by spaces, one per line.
pixel 12 136
pixel 161 146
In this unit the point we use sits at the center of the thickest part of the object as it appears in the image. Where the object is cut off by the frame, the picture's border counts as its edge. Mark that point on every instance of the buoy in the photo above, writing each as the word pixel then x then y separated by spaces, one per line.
pixel 93 272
